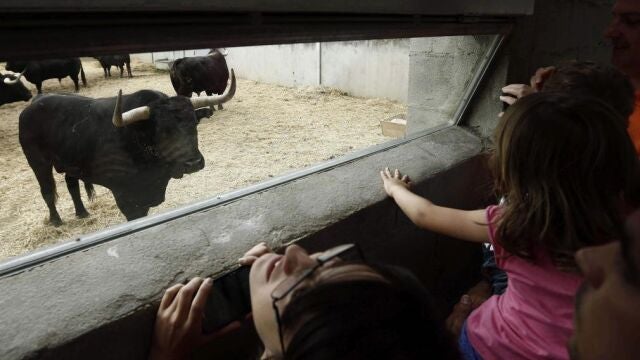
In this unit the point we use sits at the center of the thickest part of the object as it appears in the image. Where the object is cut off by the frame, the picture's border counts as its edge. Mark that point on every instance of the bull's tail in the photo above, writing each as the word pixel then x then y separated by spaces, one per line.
pixel 84 79
pixel 91 192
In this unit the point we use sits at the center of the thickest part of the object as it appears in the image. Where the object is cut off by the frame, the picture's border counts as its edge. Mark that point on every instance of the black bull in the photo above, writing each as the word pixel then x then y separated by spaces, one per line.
pixel 12 90
pixel 200 73
pixel 38 71
pixel 119 61
pixel 134 154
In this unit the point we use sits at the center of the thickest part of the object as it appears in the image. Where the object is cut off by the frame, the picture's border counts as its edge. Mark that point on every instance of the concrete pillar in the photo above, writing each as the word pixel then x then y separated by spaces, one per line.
pixel 558 31
pixel 440 70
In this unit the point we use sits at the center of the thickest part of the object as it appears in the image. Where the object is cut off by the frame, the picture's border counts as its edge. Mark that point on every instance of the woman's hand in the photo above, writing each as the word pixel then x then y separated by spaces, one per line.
pixel 254 253
pixel 178 327
pixel 514 92
pixel 392 182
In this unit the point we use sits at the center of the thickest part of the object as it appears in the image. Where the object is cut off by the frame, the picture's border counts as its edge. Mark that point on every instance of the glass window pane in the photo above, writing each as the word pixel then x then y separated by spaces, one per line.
pixel 295 106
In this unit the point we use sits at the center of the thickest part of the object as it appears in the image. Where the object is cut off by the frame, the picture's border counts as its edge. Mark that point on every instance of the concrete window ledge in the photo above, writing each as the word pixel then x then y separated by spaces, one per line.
pixel 114 285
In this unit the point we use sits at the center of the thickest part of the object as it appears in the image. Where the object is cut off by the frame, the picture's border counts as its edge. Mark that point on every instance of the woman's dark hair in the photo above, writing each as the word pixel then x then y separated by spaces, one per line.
pixel 362 319
pixel 568 170
pixel 587 78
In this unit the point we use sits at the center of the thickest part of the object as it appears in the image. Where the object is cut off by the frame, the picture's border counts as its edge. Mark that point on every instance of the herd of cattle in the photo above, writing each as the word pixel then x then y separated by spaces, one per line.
pixel 131 144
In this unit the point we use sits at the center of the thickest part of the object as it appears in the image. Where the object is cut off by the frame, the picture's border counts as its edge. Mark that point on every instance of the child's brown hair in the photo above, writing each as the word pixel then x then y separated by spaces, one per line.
pixel 567 169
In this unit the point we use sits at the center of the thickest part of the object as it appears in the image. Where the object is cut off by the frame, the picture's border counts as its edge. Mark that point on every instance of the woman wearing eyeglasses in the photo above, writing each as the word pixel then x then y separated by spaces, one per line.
pixel 325 305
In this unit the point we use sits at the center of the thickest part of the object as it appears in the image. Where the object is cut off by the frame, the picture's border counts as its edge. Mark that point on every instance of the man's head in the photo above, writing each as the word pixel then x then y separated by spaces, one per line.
pixel 607 317
pixel 624 33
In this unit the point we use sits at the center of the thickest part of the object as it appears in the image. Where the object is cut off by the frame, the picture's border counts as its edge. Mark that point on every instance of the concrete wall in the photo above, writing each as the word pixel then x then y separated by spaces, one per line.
pixel 170 55
pixel 288 65
pixel 372 68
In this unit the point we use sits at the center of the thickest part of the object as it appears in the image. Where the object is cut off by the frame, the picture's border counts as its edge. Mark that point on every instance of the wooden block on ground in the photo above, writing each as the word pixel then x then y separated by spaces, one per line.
pixel 395 127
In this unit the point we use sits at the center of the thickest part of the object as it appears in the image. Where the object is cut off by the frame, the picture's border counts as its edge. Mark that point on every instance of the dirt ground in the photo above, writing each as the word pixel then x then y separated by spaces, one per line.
pixel 264 131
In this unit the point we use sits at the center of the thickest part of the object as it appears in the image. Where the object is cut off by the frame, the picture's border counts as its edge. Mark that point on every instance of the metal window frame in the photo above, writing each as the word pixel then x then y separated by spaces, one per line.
pixel 433 7
pixel 259 30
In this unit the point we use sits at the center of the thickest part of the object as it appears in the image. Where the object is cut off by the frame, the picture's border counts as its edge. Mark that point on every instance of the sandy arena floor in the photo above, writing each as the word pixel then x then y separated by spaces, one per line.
pixel 265 130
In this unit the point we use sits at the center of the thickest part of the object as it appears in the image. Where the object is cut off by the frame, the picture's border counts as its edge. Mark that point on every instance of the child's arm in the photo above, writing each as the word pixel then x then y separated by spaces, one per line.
pixel 462 224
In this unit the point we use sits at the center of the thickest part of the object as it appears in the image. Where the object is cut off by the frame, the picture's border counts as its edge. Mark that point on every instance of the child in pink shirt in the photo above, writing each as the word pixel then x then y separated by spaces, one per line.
pixel 566 168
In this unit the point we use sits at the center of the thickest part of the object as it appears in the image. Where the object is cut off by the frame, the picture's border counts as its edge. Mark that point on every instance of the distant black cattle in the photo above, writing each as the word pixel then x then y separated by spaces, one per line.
pixel 38 71
pixel 134 153
pixel 200 73
pixel 115 60
pixel 12 89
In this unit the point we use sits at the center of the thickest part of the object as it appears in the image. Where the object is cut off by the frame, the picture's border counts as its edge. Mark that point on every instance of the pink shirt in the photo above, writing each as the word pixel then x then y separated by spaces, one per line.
pixel 533 318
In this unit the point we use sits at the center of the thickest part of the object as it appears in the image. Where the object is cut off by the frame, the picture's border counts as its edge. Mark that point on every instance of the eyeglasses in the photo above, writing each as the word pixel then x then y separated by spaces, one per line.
pixel 346 252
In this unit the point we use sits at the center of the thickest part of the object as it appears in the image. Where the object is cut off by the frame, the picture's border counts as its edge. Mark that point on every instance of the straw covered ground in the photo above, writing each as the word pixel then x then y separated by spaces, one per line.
pixel 265 130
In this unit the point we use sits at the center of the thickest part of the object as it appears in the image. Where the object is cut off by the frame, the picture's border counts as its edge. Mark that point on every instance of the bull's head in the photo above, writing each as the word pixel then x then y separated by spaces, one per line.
pixel 12 89
pixel 9 81
pixel 143 112
pixel 169 127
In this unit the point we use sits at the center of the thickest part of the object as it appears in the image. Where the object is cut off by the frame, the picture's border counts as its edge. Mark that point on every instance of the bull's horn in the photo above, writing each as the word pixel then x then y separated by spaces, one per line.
pixel 120 119
pixel 224 51
pixel 14 81
pixel 203 101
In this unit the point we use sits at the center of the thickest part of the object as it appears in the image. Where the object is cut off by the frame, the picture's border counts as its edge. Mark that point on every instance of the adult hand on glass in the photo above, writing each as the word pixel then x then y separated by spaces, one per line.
pixel 393 181
pixel 178 327
pixel 254 253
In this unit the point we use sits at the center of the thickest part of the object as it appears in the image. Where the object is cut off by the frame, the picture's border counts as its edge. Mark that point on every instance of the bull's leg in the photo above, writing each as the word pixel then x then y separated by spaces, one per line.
pixel 49 195
pixel 73 185
pixel 39 87
pixel 129 69
pixel 121 70
pixel 105 72
pixel 74 77
pixel 48 190
pixel 130 210
pixel 109 70
pixel 42 168
pixel 91 192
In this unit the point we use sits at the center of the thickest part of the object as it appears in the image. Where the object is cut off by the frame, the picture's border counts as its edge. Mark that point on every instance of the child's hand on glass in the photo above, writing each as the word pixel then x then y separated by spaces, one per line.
pixel 394 181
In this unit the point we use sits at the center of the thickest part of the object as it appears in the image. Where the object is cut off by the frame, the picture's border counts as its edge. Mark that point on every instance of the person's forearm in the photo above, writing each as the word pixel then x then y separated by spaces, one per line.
pixel 470 225
pixel 415 207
